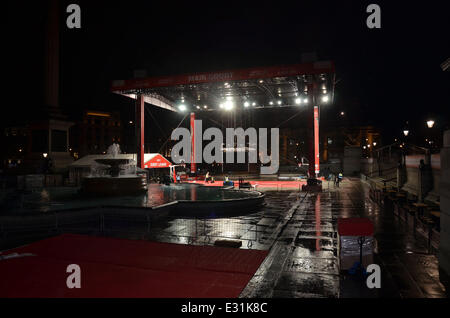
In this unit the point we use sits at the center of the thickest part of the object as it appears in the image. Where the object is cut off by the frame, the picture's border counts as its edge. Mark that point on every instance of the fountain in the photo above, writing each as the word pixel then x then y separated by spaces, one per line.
pixel 110 178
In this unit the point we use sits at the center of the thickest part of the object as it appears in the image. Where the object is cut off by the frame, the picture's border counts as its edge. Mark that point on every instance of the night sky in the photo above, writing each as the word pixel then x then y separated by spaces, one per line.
pixel 385 76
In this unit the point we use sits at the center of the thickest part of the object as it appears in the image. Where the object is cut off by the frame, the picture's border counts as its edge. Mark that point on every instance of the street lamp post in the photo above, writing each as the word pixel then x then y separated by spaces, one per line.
pixel 430 124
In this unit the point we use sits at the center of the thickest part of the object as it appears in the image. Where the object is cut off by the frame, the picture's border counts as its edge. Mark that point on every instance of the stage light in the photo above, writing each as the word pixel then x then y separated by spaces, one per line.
pixel 182 107
pixel 253 104
pixel 198 107
pixel 298 101
pixel 325 98
pixel 271 103
pixel 45 155
pixel 205 107
pixel 246 104
pixel 430 123
pixel 228 105
pixel 305 100
pixel 364 147
pixel 279 102
pixel 405 132
pixel 342 113
pixel 374 143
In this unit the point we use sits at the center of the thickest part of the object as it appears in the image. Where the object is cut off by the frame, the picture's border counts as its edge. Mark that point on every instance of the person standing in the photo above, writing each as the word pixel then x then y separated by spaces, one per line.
pixel 339 178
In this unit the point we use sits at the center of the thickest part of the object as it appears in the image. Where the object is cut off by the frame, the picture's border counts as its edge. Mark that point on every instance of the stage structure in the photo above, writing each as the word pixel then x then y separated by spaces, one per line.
pixel 308 85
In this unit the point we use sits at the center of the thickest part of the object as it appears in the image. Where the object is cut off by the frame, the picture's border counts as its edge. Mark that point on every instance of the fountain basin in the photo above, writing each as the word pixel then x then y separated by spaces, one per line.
pixel 114 186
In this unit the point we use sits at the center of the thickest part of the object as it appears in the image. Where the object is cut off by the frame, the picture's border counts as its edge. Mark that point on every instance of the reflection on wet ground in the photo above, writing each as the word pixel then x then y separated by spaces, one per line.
pixel 303 261
pixel 300 232
pixel 256 231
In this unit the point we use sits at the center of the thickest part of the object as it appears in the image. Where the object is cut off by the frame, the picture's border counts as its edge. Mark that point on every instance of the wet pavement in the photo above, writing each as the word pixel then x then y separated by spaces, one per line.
pixel 256 230
pixel 300 231
pixel 303 261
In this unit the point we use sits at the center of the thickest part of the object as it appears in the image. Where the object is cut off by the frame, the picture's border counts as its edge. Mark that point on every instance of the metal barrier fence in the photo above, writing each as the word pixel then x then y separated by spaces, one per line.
pixel 132 223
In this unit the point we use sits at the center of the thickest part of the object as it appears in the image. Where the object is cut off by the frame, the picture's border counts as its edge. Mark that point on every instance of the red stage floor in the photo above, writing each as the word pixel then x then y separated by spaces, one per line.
pixel 126 268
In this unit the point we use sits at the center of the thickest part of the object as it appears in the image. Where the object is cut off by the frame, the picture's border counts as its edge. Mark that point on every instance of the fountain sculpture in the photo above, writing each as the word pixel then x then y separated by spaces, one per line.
pixel 110 177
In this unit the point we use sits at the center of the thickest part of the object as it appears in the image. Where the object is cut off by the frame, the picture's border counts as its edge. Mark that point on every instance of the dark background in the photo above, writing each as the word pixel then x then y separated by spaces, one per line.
pixel 385 76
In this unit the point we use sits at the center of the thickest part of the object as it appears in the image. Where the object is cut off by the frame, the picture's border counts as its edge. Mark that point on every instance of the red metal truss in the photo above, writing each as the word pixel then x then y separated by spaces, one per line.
pixel 322 67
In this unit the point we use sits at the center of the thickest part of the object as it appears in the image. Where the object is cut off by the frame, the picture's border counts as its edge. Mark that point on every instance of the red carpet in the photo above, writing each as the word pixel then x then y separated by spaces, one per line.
pixel 127 268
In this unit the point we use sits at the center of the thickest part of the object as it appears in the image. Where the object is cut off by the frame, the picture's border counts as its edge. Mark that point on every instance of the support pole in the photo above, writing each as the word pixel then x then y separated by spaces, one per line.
pixel 311 156
pixel 140 104
pixel 313 134
pixel 316 141
pixel 193 164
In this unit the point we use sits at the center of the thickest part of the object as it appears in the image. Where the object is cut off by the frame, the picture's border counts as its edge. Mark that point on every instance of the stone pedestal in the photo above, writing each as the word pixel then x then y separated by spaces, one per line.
pixel 48 145
pixel 444 245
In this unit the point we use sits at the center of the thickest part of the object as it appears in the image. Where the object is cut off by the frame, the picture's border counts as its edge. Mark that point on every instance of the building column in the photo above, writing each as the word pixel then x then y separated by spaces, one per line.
pixel 444 189
pixel 52 55
pixel 140 105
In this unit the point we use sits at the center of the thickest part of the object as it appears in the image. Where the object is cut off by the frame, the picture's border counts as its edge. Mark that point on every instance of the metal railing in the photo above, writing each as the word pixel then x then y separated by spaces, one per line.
pixel 127 223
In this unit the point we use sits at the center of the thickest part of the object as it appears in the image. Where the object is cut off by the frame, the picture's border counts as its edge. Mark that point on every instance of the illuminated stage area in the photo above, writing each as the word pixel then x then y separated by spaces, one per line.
pixel 263 185
pixel 235 94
